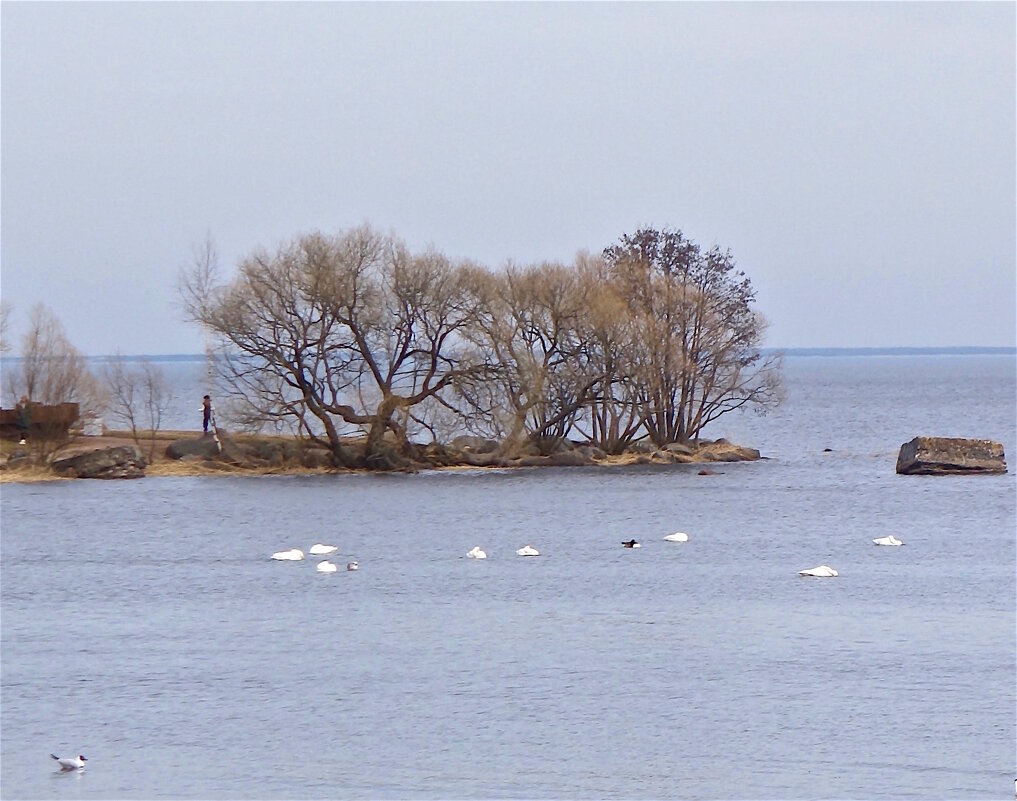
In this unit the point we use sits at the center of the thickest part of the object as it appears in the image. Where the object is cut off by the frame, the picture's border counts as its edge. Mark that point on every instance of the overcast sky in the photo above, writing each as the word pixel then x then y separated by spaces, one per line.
pixel 858 159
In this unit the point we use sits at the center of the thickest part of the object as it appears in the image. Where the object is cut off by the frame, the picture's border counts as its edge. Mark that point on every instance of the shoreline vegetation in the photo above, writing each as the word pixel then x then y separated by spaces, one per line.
pixel 188 453
pixel 362 349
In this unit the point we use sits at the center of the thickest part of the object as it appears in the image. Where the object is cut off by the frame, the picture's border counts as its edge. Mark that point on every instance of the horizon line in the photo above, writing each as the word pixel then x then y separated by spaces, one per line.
pixel 838 350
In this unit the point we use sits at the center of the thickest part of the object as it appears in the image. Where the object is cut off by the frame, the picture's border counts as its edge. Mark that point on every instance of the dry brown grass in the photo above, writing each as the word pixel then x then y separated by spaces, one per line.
pixel 29 475
pixel 169 467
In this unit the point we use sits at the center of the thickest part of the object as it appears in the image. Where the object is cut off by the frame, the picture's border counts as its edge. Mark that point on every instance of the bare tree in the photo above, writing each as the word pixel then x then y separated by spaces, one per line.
pixel 530 324
pixel 138 396
pixel 5 319
pixel 701 337
pixel 53 371
pixel 613 346
pixel 337 334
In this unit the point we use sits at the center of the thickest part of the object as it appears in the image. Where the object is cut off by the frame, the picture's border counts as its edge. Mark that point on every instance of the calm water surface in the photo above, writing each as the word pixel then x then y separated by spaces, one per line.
pixel 144 626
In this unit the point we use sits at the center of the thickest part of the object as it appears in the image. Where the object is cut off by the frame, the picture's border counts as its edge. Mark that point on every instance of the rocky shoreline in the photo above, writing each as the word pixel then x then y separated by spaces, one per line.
pixel 116 455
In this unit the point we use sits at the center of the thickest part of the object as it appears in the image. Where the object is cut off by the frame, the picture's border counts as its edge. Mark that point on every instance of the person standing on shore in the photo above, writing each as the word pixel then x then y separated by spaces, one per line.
pixel 206 412
pixel 24 418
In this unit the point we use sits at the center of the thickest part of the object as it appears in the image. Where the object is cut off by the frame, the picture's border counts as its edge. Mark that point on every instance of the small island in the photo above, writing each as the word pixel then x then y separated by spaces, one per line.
pixel 118 454
pixel 372 357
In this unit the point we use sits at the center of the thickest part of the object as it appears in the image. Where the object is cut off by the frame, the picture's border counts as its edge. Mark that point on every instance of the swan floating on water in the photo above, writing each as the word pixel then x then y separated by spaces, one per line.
pixel 888 540
pixel 71 763
pixel 476 553
pixel 678 536
pixel 323 550
pixel 326 567
pixel 528 550
pixel 292 555
pixel 353 565
pixel 823 571
pixel 631 544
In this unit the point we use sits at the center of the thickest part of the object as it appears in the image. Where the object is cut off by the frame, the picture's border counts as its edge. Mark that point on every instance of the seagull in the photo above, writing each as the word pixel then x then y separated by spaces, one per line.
pixel 888 540
pixel 323 550
pixel 353 565
pixel 528 550
pixel 678 536
pixel 823 571
pixel 631 544
pixel 326 567
pixel 476 553
pixel 70 763
pixel 292 555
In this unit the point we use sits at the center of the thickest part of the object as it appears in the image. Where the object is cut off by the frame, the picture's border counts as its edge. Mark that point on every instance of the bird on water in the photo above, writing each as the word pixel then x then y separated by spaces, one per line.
pixel 71 763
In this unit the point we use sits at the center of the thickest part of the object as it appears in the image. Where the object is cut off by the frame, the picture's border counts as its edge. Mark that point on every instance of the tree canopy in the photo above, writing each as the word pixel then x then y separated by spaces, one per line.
pixel 352 332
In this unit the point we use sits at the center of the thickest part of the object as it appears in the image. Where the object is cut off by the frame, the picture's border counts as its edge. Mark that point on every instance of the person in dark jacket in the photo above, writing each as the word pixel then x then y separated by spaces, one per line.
pixel 24 421
pixel 206 412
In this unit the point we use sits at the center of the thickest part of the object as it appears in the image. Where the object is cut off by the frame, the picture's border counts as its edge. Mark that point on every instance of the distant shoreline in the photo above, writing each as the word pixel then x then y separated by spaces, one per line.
pixel 945 351
pixel 958 350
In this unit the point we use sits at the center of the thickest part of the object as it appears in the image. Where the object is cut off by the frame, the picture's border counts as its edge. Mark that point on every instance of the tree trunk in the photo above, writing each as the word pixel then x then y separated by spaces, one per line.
pixel 376 455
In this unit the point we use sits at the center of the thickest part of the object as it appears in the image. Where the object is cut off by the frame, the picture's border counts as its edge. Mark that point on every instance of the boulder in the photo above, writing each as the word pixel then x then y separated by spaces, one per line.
pixel 206 447
pixel 436 455
pixel 317 458
pixel 933 456
pixel 470 444
pixel 561 459
pixel 18 460
pixel 121 461
pixel 480 459
pixel 724 451
pixel 264 452
pixel 571 458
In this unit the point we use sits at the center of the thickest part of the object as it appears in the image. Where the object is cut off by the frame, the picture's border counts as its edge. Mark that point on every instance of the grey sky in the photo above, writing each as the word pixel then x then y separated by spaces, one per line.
pixel 858 159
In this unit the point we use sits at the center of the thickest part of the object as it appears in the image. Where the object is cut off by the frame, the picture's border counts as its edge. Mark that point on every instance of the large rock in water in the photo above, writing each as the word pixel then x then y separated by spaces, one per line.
pixel 724 451
pixel 932 456
pixel 121 461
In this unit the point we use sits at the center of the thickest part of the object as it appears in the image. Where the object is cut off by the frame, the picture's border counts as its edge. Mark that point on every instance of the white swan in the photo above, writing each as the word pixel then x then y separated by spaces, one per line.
pixel 528 550
pixel 476 553
pixel 323 550
pixel 353 566
pixel 888 540
pixel 823 571
pixel 292 555
pixel 326 567
pixel 678 536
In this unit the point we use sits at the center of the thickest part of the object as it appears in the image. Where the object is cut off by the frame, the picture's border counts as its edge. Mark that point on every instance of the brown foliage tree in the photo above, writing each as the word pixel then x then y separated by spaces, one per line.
pixel 138 396
pixel 53 371
pixel 339 332
pixel 700 356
